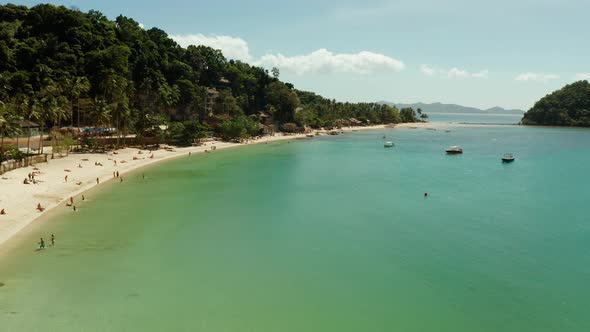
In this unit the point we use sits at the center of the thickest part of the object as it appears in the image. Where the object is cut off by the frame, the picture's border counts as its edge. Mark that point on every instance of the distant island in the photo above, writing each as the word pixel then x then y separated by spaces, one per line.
pixel 569 106
pixel 453 108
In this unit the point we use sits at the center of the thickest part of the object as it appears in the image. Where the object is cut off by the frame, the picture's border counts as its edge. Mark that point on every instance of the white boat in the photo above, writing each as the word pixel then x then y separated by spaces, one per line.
pixel 388 144
pixel 508 158
pixel 455 149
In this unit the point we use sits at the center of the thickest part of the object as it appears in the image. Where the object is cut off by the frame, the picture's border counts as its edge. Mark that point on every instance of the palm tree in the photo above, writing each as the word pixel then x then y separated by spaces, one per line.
pixel 32 113
pixel 81 87
pixel 9 125
pixel 100 113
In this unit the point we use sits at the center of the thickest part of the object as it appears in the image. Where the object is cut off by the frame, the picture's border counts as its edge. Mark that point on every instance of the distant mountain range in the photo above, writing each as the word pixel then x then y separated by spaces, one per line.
pixel 453 108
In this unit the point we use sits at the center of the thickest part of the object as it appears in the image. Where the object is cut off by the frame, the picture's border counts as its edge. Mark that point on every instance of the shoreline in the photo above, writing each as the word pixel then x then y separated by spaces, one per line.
pixel 52 191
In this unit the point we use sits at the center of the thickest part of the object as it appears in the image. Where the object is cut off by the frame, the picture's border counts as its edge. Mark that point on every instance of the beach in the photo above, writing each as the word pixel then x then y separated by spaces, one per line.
pixel 51 191
pixel 331 233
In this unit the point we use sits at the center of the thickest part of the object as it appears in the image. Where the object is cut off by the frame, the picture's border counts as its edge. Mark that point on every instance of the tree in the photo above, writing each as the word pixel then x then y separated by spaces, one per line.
pixel 240 127
pixel 569 106
pixel 9 125
pixel 408 115
pixel 275 72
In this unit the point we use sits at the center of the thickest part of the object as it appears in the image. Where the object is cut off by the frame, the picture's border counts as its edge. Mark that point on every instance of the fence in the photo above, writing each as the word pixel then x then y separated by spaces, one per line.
pixel 10 165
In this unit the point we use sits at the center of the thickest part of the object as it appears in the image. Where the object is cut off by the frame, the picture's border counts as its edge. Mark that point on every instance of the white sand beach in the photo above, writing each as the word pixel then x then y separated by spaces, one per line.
pixel 51 189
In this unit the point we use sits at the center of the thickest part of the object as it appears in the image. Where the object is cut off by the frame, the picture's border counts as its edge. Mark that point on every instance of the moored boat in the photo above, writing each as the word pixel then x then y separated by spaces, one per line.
pixel 388 144
pixel 508 158
pixel 455 149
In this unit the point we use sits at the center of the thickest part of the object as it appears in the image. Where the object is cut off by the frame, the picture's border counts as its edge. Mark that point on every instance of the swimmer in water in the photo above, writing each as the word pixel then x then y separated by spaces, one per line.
pixel 52 240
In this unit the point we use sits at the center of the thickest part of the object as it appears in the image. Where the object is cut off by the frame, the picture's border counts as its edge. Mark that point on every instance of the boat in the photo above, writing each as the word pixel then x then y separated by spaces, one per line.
pixel 388 144
pixel 310 135
pixel 455 149
pixel 508 158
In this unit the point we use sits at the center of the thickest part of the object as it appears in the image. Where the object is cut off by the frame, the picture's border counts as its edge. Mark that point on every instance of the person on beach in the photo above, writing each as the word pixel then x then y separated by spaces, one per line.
pixel 83 197
pixel 143 176
pixel 2 212
pixel 79 165
pixel 26 181
pixel 40 208
pixel 66 178
pixel 52 240
pixel 114 175
pixel 74 208
pixel 72 200
pixel 41 244
pixel 117 173
pixel 97 181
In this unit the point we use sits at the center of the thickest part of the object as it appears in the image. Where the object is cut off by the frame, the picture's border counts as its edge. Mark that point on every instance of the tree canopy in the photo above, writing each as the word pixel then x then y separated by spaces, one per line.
pixel 569 106
pixel 61 67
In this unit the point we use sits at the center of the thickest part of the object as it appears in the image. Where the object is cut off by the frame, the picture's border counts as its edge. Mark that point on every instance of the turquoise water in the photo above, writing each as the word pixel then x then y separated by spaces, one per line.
pixel 474 118
pixel 329 234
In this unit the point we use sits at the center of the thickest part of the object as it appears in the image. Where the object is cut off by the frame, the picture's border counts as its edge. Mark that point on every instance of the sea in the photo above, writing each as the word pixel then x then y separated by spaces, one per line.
pixel 333 233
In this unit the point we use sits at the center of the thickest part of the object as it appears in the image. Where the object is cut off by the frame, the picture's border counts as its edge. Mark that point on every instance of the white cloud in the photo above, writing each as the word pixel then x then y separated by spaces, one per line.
pixel 582 76
pixel 427 70
pixel 452 73
pixel 324 61
pixel 319 61
pixel 538 77
pixel 232 47
pixel 481 74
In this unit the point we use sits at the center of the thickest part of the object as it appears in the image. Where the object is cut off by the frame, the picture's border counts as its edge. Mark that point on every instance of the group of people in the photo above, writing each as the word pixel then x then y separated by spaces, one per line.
pixel 30 179
pixel 42 242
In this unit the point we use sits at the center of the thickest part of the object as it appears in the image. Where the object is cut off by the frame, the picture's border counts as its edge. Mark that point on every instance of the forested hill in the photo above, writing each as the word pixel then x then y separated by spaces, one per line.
pixel 60 67
pixel 569 106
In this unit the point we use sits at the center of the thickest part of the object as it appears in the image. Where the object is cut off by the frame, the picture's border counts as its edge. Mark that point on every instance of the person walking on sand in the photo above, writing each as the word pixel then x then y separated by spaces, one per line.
pixel 97 181
pixel 117 173
pixel 52 240
pixel 2 212
pixel 83 197
pixel 41 244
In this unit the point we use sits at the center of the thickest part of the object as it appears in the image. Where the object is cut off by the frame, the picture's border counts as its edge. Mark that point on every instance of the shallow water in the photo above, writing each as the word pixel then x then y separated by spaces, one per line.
pixel 329 234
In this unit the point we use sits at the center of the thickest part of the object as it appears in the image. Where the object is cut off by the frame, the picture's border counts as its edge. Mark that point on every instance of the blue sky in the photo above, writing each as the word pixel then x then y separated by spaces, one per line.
pixel 475 53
